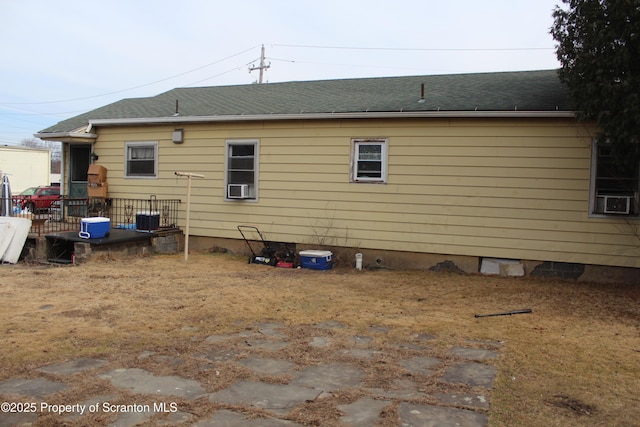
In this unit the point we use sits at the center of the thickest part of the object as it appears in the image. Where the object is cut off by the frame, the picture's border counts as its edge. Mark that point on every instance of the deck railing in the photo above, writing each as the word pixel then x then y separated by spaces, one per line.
pixel 66 213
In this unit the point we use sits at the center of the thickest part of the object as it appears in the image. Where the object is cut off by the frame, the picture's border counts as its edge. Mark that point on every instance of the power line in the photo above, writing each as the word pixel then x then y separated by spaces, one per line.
pixel 213 77
pixel 131 88
pixel 333 64
pixel 35 113
pixel 264 66
pixel 400 49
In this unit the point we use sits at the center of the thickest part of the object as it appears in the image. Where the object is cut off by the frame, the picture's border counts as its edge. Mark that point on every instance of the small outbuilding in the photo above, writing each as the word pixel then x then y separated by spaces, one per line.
pixel 25 166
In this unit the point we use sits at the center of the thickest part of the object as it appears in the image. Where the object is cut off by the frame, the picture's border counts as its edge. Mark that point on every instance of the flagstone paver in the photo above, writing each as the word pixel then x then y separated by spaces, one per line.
pixel 421 364
pixel 402 389
pixel 175 418
pixel 268 366
pixel 321 342
pixel 93 400
pixel 220 355
pixel 330 377
pixel 37 387
pixel 470 373
pixel 226 418
pixel 73 366
pixel 265 344
pixel 140 381
pixel 278 398
pixel 437 416
pixel 331 324
pixel 360 353
pixel 361 340
pixel 293 385
pixel 130 419
pixel 18 419
pixel 462 399
pixel 364 412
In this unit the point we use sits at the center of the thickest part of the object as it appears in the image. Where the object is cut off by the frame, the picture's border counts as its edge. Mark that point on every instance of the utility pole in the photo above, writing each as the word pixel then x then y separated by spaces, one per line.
pixel 262 66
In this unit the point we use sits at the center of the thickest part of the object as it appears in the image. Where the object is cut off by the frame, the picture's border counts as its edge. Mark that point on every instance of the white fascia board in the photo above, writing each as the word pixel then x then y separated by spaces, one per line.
pixel 65 136
pixel 328 116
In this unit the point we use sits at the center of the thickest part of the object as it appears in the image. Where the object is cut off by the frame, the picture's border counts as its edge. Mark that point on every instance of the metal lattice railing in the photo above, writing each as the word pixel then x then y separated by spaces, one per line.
pixel 66 213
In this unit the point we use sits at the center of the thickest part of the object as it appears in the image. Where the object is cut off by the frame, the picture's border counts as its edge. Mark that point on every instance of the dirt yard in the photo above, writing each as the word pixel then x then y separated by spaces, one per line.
pixel 574 361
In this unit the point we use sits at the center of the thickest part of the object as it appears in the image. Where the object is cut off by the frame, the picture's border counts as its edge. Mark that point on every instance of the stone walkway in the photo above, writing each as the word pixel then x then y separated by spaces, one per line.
pixel 367 380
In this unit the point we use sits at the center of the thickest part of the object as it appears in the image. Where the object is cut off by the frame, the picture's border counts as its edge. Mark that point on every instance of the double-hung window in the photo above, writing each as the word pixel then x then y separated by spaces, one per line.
pixel 614 189
pixel 141 159
pixel 241 170
pixel 369 160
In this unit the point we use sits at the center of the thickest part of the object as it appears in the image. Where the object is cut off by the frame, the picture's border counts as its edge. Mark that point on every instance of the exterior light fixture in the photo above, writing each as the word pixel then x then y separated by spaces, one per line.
pixel 178 137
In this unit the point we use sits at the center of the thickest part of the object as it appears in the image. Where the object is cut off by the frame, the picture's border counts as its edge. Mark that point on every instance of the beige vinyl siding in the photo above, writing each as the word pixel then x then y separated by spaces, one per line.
pixel 512 188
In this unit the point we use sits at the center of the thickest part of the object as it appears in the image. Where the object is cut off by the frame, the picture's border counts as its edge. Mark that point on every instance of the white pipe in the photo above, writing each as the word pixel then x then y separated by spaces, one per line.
pixel 358 261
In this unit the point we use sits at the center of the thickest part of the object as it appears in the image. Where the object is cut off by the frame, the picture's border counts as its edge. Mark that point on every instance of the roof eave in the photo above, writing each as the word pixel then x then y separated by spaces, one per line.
pixel 328 116
pixel 67 136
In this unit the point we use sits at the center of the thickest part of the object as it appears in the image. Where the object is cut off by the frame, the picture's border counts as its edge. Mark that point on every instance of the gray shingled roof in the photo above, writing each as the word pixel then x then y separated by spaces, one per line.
pixel 507 91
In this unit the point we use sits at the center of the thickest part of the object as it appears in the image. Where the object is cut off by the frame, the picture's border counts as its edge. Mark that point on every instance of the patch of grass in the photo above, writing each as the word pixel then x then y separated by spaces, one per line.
pixel 574 361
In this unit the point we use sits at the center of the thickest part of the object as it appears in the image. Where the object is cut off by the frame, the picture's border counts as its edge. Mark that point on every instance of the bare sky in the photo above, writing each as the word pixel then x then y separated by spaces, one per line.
pixel 65 57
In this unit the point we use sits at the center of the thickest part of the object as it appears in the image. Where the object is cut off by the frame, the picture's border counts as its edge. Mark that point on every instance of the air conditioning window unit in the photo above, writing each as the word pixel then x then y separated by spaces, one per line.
pixel 617 204
pixel 238 191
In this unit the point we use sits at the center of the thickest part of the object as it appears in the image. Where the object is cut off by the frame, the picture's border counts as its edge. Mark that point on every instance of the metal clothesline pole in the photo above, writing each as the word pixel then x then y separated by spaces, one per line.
pixel 189 175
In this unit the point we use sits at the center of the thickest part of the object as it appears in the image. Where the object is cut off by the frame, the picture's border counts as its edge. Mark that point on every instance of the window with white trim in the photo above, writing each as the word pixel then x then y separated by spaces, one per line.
pixel 241 170
pixel 614 190
pixel 141 159
pixel 369 160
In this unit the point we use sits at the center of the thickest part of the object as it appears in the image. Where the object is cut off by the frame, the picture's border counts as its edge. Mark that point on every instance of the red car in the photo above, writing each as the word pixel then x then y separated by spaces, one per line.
pixel 38 198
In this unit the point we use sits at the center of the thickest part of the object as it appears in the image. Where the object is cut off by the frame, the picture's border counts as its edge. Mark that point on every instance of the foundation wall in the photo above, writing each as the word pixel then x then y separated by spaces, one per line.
pixel 37 249
pixel 43 249
pixel 397 260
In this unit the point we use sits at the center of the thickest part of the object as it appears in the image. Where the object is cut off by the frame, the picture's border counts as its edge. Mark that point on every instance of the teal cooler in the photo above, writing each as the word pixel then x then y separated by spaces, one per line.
pixel 316 260
pixel 94 228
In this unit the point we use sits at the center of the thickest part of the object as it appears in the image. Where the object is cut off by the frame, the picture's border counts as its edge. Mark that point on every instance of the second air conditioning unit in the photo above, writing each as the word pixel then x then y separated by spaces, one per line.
pixel 617 204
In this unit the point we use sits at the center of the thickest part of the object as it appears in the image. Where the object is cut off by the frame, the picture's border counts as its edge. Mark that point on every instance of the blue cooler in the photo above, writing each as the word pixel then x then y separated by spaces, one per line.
pixel 316 260
pixel 94 228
